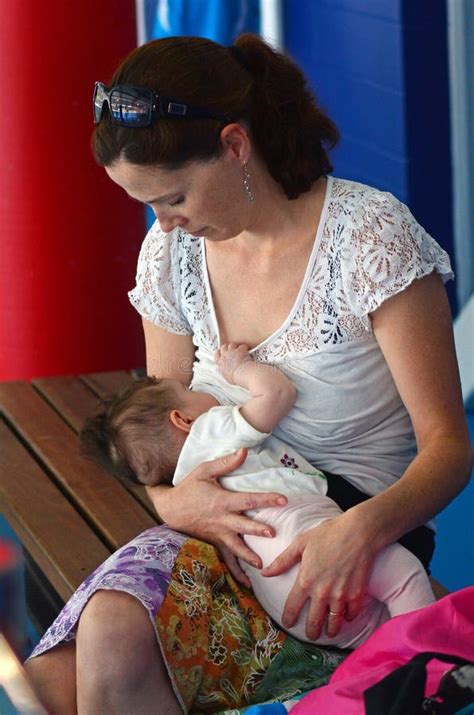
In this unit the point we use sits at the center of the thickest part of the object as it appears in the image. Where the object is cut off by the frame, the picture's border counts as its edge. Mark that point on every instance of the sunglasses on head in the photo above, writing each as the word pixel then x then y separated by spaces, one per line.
pixel 132 106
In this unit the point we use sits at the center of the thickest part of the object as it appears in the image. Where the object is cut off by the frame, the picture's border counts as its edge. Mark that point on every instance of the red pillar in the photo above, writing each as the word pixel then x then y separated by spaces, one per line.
pixel 69 238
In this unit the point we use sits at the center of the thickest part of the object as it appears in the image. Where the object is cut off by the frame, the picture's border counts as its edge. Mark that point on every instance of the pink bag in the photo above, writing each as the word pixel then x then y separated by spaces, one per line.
pixel 446 626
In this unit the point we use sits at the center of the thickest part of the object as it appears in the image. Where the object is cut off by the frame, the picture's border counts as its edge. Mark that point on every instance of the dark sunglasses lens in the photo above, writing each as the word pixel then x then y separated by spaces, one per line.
pixel 100 96
pixel 129 108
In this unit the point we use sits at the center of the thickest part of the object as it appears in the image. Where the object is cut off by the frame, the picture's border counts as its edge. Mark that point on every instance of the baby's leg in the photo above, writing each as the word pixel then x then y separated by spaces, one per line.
pixel 399 580
pixel 301 514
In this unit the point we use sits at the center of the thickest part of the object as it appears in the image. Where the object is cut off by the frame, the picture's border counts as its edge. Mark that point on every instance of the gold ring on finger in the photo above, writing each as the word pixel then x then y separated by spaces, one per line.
pixel 337 614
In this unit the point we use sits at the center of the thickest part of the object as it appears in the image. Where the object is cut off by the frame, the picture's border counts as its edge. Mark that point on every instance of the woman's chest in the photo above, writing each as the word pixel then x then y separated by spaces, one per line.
pixel 290 307
pixel 252 300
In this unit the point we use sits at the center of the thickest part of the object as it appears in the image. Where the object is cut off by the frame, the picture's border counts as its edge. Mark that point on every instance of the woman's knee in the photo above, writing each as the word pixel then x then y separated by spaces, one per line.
pixel 115 633
pixel 53 677
pixel 112 610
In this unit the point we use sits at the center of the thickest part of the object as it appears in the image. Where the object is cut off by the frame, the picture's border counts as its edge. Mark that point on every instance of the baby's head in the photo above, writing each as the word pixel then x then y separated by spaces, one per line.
pixel 139 434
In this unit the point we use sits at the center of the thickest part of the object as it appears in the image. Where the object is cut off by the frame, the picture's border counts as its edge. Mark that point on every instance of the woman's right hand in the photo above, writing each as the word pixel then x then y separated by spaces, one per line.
pixel 200 507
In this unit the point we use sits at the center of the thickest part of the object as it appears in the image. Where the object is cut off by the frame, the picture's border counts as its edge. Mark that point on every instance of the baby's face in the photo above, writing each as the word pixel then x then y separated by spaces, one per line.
pixel 194 403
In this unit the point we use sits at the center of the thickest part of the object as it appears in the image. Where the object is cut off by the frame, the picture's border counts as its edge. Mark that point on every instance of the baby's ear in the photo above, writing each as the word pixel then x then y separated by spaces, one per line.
pixel 180 420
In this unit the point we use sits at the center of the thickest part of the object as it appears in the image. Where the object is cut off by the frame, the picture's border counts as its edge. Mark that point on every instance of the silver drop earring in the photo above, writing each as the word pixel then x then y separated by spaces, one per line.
pixel 247 187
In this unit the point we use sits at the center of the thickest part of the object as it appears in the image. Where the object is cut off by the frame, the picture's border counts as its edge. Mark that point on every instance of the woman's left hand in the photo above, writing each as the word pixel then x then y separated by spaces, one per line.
pixel 336 558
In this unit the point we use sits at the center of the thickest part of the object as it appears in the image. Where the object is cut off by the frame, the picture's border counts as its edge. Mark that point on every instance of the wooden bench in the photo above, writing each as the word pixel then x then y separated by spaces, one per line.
pixel 68 513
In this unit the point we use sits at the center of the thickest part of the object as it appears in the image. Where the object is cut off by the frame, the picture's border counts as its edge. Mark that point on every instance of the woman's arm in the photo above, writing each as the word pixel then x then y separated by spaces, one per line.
pixel 198 505
pixel 413 329
pixel 168 354
pixel 415 334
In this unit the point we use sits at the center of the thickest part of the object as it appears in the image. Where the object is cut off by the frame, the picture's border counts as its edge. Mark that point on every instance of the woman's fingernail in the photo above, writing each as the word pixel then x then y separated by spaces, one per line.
pixel 255 564
pixel 268 533
pixel 281 500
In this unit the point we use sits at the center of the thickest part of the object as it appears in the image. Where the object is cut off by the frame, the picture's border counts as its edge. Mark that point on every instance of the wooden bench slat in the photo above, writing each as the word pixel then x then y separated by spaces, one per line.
pixel 117 516
pixel 57 538
pixel 70 396
pixel 75 401
pixel 106 384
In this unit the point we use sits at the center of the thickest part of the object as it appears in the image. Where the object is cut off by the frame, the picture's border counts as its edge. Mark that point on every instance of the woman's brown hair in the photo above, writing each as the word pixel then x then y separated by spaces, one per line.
pixel 249 82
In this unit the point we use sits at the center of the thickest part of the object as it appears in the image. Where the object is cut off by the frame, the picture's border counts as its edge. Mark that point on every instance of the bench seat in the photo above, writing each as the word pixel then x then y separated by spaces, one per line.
pixel 68 513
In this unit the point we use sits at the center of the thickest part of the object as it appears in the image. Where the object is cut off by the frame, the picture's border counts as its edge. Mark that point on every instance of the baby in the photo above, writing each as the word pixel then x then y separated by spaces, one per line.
pixel 158 431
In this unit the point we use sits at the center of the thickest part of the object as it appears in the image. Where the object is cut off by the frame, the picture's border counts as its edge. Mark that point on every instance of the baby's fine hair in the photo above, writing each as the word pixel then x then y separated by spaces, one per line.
pixel 130 435
pixel 250 82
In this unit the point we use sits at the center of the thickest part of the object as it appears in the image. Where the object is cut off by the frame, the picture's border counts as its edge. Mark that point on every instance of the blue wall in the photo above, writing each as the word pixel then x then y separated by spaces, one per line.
pixel 453 562
pixel 380 69
pixel 353 60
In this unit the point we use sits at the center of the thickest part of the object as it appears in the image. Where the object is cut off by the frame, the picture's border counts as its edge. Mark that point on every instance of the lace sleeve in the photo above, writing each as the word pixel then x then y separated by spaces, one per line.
pixel 156 294
pixel 385 252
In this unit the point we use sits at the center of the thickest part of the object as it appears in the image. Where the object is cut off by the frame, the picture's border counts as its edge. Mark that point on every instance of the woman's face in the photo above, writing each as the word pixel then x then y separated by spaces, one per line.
pixel 205 198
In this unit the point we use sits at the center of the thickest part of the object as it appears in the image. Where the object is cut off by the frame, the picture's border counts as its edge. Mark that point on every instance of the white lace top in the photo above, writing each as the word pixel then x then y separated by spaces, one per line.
pixel 348 417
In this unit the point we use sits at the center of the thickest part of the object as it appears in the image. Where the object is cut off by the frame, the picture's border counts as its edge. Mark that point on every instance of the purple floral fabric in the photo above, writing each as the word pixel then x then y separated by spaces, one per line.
pixel 141 568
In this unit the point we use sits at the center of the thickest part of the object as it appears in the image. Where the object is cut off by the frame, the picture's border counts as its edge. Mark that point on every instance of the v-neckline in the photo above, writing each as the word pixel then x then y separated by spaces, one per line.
pixel 304 283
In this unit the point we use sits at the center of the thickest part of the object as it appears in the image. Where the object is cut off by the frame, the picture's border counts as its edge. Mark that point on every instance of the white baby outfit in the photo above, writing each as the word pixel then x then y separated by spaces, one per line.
pixel 398 582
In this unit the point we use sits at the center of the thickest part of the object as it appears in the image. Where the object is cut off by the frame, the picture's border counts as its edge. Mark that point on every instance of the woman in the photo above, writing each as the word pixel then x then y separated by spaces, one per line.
pixel 335 283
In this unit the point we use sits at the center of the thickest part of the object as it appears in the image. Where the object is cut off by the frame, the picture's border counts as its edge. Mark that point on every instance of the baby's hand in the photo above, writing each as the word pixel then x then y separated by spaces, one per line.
pixel 229 358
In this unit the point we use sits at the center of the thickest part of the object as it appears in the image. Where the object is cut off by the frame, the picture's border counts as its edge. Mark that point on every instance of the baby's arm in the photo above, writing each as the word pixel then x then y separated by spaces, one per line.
pixel 273 394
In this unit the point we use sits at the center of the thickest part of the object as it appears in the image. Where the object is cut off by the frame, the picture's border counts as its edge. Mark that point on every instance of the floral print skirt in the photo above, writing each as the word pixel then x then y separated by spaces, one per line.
pixel 221 649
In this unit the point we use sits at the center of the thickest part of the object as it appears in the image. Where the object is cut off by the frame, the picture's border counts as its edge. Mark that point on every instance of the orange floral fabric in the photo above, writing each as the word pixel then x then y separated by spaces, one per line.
pixel 217 640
